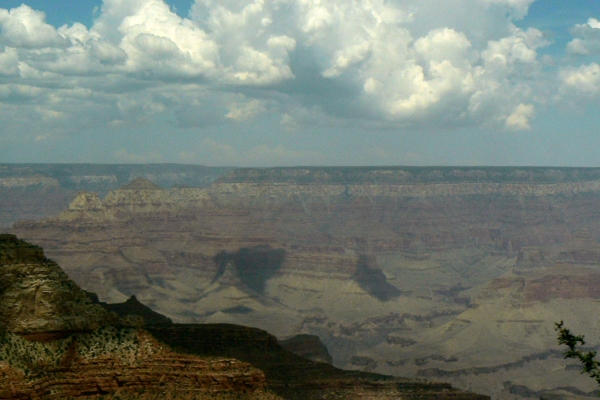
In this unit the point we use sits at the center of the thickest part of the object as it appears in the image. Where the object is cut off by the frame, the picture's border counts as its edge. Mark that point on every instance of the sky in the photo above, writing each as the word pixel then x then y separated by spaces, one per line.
pixel 301 82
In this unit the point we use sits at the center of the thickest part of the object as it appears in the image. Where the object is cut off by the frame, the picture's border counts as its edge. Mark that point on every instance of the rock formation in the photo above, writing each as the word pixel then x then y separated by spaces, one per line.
pixel 309 347
pixel 56 343
pixel 113 360
pixel 294 377
pixel 133 307
pixel 404 271
pixel 38 299
pixel 34 191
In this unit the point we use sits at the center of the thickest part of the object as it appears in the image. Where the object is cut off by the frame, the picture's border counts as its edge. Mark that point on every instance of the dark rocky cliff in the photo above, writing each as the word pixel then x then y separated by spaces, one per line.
pixel 56 342
pixel 38 299
pixel 295 377
pixel 309 347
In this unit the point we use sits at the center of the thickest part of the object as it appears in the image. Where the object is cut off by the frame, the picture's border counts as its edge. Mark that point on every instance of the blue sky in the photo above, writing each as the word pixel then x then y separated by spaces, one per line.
pixel 301 82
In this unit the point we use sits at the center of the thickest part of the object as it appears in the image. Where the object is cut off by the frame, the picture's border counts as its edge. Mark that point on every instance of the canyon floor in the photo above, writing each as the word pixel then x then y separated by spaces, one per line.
pixel 447 274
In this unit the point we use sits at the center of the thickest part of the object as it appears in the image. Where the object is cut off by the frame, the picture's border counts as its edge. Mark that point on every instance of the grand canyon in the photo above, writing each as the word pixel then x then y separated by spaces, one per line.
pixel 448 274
pixel 58 341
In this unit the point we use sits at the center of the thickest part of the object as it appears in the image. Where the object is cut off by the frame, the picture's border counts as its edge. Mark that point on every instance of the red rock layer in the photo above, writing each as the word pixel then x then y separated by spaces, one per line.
pixel 563 287
pixel 561 281
pixel 105 375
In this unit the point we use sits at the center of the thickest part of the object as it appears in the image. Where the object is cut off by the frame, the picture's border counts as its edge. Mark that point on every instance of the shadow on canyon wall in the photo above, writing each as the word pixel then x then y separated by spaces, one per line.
pixel 253 265
pixel 373 281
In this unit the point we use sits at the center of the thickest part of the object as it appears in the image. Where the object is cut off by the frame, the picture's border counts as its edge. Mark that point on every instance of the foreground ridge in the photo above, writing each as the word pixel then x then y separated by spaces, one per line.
pixel 294 377
pixel 56 342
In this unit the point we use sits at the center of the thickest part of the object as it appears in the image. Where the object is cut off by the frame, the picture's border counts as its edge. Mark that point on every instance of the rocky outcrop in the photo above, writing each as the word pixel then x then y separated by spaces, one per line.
pixel 37 297
pixel 133 307
pixel 140 183
pixel 130 361
pixel 86 201
pixel 309 347
pixel 57 341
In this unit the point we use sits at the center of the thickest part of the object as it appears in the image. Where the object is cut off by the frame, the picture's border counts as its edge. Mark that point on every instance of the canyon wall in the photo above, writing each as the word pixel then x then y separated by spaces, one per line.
pixel 34 191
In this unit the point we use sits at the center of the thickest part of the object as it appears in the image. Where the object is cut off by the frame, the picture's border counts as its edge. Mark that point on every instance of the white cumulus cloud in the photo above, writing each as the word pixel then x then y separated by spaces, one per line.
pixel 243 111
pixel 410 63
pixel 24 27
pixel 519 119
pixel 582 80
pixel 586 38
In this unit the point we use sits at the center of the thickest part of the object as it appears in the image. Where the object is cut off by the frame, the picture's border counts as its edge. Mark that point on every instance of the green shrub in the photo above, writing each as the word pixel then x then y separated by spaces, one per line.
pixel 587 359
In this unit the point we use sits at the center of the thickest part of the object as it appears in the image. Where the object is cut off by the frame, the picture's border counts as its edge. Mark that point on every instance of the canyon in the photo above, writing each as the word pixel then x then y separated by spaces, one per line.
pixel 445 273
pixel 58 341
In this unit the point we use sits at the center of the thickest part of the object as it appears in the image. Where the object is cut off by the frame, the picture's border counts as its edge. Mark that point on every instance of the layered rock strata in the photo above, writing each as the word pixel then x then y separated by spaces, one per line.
pixel 34 191
pixel 38 299
pixel 87 361
pixel 397 270
pixel 85 369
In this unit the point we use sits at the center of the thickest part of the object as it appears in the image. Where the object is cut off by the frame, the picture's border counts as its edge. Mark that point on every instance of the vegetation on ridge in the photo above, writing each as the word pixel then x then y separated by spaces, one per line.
pixel 33 357
pixel 171 392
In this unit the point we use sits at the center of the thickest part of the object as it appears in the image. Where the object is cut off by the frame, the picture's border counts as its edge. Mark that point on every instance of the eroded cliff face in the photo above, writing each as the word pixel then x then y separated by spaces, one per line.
pixel 37 297
pixel 34 191
pixel 451 273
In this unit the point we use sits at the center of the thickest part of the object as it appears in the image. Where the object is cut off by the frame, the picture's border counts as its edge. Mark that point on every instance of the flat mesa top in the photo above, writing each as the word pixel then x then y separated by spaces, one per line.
pixel 410 175
pixel 140 183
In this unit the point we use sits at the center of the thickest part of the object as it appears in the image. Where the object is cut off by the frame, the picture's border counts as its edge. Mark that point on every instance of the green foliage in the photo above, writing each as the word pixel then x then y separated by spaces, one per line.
pixel 37 358
pixel 120 342
pixel 171 392
pixel 587 359
pixel 30 357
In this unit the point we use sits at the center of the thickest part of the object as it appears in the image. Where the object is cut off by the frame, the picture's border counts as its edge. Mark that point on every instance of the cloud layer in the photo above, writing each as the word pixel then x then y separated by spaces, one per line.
pixel 373 63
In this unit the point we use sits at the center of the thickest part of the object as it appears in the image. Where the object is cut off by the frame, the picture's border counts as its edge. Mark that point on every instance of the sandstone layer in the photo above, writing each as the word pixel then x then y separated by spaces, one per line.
pixel 455 274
